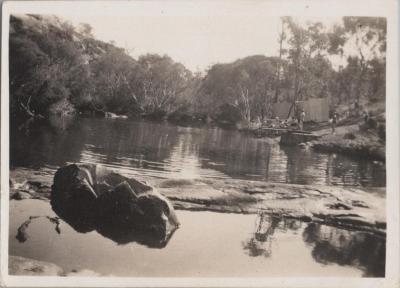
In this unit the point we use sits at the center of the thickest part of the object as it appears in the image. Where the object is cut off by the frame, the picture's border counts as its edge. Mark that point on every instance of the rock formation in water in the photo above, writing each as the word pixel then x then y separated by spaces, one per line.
pixel 90 197
pixel 358 208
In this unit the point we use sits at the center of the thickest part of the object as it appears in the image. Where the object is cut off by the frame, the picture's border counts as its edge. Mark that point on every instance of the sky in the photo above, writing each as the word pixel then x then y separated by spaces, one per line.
pixel 195 41
pixel 197 37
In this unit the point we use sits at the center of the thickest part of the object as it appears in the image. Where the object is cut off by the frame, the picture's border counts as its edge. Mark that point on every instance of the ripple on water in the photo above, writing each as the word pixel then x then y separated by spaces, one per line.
pixel 163 150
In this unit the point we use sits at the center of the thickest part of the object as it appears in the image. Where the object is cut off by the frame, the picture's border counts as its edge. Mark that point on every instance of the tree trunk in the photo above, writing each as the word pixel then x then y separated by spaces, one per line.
pixel 278 66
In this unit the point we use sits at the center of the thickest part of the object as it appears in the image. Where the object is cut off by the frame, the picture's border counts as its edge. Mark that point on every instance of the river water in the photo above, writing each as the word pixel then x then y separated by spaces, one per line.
pixel 169 151
pixel 207 244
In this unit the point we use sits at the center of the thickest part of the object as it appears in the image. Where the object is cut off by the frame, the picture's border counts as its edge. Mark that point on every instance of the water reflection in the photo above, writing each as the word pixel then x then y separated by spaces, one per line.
pixel 216 247
pixel 361 249
pixel 121 234
pixel 165 150
pixel 328 244
pixel 124 236
pixel 260 244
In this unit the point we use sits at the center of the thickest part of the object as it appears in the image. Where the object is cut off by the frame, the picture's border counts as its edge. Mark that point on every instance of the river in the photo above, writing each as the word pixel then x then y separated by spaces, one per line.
pixel 207 243
pixel 165 150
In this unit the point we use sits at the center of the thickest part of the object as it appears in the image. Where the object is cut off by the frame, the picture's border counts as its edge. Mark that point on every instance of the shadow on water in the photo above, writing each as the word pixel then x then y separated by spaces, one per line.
pixel 329 244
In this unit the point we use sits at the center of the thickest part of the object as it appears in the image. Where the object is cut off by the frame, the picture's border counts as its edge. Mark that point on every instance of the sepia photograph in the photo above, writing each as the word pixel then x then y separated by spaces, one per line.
pixel 203 139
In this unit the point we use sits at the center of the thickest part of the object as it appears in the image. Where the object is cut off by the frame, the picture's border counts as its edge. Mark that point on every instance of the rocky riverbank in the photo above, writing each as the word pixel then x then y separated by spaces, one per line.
pixel 343 207
pixel 352 141
pixel 22 266
pixel 355 208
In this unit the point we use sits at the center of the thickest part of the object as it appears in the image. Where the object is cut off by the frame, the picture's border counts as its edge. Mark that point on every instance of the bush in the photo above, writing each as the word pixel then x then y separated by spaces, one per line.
pixel 349 135
pixel 382 132
pixel 62 107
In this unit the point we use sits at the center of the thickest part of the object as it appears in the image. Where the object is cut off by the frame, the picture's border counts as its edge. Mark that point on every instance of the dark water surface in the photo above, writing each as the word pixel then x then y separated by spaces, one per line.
pixel 169 151
pixel 229 245
pixel 206 244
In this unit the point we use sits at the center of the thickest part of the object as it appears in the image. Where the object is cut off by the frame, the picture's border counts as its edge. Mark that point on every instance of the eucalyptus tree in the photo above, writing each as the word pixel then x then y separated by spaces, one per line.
pixel 363 41
pixel 309 69
pixel 163 83
pixel 246 85
pixel 43 58
pixel 114 78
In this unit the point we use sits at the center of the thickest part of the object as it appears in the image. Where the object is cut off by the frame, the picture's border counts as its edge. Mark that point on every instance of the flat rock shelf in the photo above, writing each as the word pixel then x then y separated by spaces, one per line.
pixel 355 208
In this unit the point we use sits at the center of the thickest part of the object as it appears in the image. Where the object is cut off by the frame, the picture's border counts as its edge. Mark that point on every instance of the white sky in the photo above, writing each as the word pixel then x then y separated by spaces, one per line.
pixel 197 33
pixel 195 41
pixel 197 36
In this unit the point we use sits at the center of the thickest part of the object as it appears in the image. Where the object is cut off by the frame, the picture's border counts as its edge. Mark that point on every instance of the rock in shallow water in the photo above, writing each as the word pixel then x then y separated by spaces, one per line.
pixel 90 197
pixel 30 267
pixel 20 195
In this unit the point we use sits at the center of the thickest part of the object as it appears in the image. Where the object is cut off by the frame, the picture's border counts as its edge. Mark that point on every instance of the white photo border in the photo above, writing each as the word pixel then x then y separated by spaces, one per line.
pixel 326 8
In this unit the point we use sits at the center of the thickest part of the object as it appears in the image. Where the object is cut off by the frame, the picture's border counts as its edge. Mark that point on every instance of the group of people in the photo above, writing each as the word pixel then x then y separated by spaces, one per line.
pixel 297 121
pixel 291 122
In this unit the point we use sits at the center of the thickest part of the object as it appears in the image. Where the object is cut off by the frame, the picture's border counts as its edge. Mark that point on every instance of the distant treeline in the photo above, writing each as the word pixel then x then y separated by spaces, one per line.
pixel 58 68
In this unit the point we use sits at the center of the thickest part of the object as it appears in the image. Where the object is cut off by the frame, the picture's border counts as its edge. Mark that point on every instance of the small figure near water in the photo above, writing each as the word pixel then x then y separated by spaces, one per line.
pixel 301 119
pixel 366 116
pixel 277 122
pixel 333 122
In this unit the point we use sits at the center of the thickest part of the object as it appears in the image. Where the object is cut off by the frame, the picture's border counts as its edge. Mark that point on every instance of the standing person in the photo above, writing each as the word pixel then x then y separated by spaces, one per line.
pixel 277 121
pixel 334 121
pixel 302 118
pixel 366 116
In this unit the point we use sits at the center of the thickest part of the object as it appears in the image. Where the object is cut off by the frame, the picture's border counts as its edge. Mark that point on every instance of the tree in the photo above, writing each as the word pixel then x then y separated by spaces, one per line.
pixel 309 68
pixel 41 62
pixel 297 42
pixel 163 81
pixel 86 30
pixel 363 39
pixel 247 84
pixel 282 52
pixel 114 88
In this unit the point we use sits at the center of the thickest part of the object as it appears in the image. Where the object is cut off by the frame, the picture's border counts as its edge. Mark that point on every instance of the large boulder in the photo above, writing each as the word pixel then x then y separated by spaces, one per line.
pixel 91 197
pixel 73 197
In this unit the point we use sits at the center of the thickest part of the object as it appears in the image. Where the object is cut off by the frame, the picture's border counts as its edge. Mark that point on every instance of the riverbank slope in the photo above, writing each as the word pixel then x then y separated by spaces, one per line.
pixel 351 140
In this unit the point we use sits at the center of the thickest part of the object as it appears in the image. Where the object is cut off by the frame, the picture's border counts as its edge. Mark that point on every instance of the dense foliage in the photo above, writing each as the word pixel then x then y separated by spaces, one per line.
pixel 58 68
